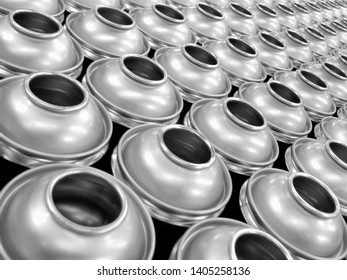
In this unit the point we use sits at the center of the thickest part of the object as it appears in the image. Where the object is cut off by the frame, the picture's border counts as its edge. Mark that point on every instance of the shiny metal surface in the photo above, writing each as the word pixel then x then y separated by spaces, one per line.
pixel 239 19
pixel 335 78
pixel 343 21
pixel 312 90
pixel 282 108
pixel 297 47
pixel 216 3
pixel 195 71
pixel 238 59
pixel 341 31
pixel 129 4
pixel 315 12
pixel 32 41
pixel 343 8
pixel 338 59
pixel 238 132
pixel 47 118
pixel 297 209
pixel 327 12
pixel 286 16
pixel 74 6
pixel 317 41
pixel 163 26
pixel 180 4
pixel 73 212
pixel 336 9
pixel 134 89
pixel 326 161
pixel 175 171
pixel 302 14
pixel 206 22
pixel 342 112
pixel 106 32
pixel 55 8
pixel 246 3
pixel 266 18
pixel 331 128
pixel 227 239
pixel 269 3
pixel 271 52
pixel 332 39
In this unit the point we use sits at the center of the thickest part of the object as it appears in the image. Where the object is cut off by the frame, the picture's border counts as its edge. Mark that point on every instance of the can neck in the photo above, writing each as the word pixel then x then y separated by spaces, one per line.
pixel 266 10
pixel 114 18
pixel 55 92
pixel 312 80
pixel 334 71
pixel 315 33
pixel 296 37
pixel 313 195
pixel 186 147
pixel 35 24
pixel 284 94
pixel 285 9
pixel 338 152
pixel 143 69
pixel 209 12
pixel 241 47
pixel 200 56
pixel 168 13
pixel 244 114
pixel 327 29
pixel 264 246
pixel 271 41
pixel 102 205
pixel 240 10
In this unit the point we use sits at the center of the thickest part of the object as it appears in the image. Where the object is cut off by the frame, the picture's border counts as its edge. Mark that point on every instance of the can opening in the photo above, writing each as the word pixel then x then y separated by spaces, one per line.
pixel 344 58
pixel 56 90
pixel 187 145
pixel 201 55
pixel 169 12
pixel 115 16
pixel 312 192
pixel 87 200
pixel 242 46
pixel 328 29
pixel 339 25
pixel 300 7
pixel 297 36
pixel 256 247
pixel 272 40
pixel 325 6
pixel 313 6
pixel 286 9
pixel 240 9
pixel 336 70
pixel 334 5
pixel 339 150
pixel 315 33
pixel 267 10
pixel 210 10
pixel 245 113
pixel 284 92
pixel 36 22
pixel 312 78
pixel 143 68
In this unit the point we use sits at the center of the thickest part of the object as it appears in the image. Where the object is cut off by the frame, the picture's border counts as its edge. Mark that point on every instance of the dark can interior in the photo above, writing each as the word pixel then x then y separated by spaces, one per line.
pixel 36 22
